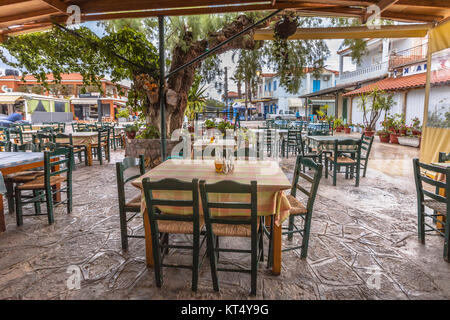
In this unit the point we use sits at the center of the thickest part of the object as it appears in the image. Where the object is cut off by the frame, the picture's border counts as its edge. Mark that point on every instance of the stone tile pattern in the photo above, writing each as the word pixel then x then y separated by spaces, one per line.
pixel 358 235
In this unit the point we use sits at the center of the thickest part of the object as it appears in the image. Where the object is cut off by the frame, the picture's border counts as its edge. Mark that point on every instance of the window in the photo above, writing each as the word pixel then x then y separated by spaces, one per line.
pixel 265 87
pixel 270 86
pixel 316 85
pixel 60 106
pixel 274 85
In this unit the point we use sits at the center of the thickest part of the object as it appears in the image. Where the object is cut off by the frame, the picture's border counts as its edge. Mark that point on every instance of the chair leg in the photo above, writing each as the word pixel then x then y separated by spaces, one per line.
pixel 212 260
pixel 270 251
pixel 123 229
pixel 10 195
pixel 195 258
pixel 326 168
pixel 19 217
pixel 254 272
pixel 365 168
pixel 69 197
pixel 261 239
pixel 357 174
pixel 334 173
pixel 49 200
pixel 99 154
pixel 421 223
pixel 37 204
pixel 291 227
pixel 305 240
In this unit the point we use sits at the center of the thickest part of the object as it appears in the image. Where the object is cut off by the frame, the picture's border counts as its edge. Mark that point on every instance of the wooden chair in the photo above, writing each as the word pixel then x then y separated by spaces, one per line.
pixel 293 141
pixel 26 126
pixel 42 139
pixel 298 208
pixel 5 146
pixel 78 151
pixel 347 154
pixel 15 135
pixel 307 153
pixel 133 206
pixel 163 225
pixel 232 226
pixel 443 157
pixel 366 147
pixel 103 145
pixel 433 200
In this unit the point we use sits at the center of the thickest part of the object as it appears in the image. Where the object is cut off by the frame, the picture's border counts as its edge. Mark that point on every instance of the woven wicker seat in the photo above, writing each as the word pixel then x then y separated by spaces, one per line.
pixel 135 202
pixel 343 159
pixel 25 176
pixel 296 206
pixel 181 227
pixel 229 230
pixel 39 183
pixel 436 205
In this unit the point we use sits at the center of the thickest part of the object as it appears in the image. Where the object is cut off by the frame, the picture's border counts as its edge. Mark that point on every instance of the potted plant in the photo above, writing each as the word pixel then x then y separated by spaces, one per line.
pixel 224 125
pixel 347 128
pixel 384 135
pixel 393 135
pixel 123 115
pixel 210 124
pixel 338 125
pixel 416 127
pixel 402 128
pixel 131 130
pixel 372 105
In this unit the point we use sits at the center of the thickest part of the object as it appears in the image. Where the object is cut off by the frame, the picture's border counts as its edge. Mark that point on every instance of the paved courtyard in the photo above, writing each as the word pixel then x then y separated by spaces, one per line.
pixel 363 245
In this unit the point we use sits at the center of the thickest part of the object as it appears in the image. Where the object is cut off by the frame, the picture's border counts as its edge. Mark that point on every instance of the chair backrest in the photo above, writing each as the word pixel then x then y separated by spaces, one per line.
pixel 103 136
pixel 422 175
pixel 61 160
pixel 294 135
pixel 26 126
pixel 247 191
pixel 25 147
pixel 366 146
pixel 4 133
pixel 154 201
pixel 44 139
pixel 5 145
pixel 313 178
pixel 15 134
pixel 347 146
pixel 443 157
pixel 66 137
pixel 121 167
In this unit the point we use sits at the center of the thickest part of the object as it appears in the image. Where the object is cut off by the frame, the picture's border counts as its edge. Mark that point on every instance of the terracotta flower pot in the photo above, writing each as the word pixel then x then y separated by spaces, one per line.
pixel 416 132
pixel 402 131
pixel 384 138
pixel 347 130
pixel 131 134
pixel 393 138
pixel 368 133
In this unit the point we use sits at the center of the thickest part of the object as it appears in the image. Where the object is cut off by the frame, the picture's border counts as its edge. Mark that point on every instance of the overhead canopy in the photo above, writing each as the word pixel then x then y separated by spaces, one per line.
pixel 7 99
pixel 17 16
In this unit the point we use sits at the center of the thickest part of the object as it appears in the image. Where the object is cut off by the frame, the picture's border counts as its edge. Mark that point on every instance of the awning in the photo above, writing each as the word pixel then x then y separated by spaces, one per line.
pixel 295 103
pixel 9 99
pixel 84 101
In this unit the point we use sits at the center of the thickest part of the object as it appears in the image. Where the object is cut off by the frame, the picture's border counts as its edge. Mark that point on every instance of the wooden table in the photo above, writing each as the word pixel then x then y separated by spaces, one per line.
pixel 268 174
pixel 13 162
pixel 201 147
pixel 327 142
pixel 86 139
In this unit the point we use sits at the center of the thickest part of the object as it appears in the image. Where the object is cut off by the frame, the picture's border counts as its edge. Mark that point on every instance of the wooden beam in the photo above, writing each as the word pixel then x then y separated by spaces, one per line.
pixel 391 31
pixel 57 4
pixel 383 5
pixel 26 16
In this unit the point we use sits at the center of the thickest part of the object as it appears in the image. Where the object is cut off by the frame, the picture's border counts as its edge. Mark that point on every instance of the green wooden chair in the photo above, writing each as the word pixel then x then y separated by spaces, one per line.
pixel 307 152
pixel 102 147
pixel 26 126
pixel 249 226
pixel 443 157
pixel 366 147
pixel 15 135
pixel 347 154
pixel 162 225
pixel 293 142
pixel 298 209
pixel 5 146
pixel 43 139
pixel 133 206
pixel 79 151
pixel 433 200
pixel 44 188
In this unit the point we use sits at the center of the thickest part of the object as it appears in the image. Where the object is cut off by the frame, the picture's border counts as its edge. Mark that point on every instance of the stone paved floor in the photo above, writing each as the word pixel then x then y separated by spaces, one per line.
pixel 354 232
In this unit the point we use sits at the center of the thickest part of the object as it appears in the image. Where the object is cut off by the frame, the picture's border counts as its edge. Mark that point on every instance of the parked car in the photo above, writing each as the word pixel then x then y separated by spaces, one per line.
pixel 282 115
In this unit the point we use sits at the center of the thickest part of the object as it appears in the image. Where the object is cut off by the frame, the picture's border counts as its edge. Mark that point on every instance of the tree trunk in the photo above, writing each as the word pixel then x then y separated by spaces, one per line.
pixel 178 85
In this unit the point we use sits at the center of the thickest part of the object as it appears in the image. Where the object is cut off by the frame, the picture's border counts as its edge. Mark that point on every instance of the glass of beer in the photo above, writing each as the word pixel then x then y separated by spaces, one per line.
pixel 219 165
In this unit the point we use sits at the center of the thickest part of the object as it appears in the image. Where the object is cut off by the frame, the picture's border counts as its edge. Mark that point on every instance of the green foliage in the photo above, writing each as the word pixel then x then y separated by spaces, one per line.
pixel 150 132
pixel 224 125
pixel 196 98
pixel 210 124
pixel 372 105
pixel 123 113
pixel 132 127
pixel 215 103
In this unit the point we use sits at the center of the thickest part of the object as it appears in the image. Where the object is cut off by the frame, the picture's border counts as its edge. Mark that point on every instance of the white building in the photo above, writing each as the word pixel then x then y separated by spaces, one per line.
pixel 397 66
pixel 271 97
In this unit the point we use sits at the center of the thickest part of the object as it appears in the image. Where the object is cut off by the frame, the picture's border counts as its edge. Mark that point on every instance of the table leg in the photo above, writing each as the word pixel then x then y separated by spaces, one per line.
pixel 89 153
pixel 276 234
pixel 2 215
pixel 148 241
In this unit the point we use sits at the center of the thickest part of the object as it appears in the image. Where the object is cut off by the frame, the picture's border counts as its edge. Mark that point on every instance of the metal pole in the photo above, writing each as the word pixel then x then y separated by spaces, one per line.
pixel 162 98
pixel 226 89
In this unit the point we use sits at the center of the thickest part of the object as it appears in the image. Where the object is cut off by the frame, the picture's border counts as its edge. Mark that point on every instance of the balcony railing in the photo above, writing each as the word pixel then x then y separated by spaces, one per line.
pixel 408 56
pixel 373 71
